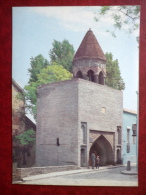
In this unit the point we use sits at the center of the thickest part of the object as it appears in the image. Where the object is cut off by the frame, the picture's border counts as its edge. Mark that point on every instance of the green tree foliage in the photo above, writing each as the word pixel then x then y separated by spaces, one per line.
pixel 42 72
pixel 113 75
pixel 125 17
pixel 26 138
pixel 23 142
pixel 37 64
pixel 50 74
pixel 62 53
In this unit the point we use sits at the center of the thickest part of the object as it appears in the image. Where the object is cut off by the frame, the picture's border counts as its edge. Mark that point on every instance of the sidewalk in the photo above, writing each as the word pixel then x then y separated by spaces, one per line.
pixel 54 174
pixel 131 172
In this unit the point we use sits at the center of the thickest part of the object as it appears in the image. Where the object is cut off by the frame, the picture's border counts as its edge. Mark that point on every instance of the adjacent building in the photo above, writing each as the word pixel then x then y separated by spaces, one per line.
pixel 20 123
pixel 129 151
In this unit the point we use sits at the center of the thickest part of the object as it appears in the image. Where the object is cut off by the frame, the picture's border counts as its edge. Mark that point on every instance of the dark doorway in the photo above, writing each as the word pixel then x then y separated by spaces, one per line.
pixel 103 149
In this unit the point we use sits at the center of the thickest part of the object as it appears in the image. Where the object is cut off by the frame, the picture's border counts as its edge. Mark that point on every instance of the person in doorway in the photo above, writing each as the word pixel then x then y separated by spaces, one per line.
pixel 97 162
pixel 93 157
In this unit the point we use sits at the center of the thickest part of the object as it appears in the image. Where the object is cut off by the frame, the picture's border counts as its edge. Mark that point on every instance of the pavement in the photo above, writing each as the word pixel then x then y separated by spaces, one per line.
pixel 61 173
pixel 131 172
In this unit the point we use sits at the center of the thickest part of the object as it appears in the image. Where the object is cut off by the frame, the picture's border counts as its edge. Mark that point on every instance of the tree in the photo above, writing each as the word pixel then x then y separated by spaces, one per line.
pixel 50 74
pixel 62 53
pixel 125 17
pixel 37 64
pixel 113 75
pixel 23 143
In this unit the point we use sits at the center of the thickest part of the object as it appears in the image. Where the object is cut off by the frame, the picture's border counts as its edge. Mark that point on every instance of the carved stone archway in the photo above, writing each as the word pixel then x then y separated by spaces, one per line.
pixel 103 148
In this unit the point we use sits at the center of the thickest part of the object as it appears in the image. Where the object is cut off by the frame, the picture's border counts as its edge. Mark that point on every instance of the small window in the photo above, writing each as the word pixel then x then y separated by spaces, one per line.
pixel 134 140
pixel 84 134
pixel 128 140
pixel 103 110
pixel 119 134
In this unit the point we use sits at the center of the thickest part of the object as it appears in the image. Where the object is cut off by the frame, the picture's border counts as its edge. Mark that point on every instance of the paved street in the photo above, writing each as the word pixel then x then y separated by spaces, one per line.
pixel 89 177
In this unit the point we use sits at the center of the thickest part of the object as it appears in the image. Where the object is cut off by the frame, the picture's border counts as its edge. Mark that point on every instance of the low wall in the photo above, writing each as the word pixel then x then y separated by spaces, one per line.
pixel 26 172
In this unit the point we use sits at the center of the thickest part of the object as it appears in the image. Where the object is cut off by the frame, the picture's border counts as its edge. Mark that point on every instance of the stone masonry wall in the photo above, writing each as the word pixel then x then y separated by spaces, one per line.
pixel 62 109
pixel 102 108
pixel 26 172
pixel 57 118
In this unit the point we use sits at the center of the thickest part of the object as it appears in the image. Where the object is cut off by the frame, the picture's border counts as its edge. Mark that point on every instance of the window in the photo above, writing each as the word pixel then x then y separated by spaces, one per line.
pixel 134 129
pixel 134 140
pixel 90 75
pixel 119 134
pixel 101 78
pixel 103 110
pixel 79 75
pixel 128 140
pixel 84 133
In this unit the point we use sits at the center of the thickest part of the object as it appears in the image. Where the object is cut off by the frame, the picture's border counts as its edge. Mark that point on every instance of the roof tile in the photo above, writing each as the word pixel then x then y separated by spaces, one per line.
pixel 89 48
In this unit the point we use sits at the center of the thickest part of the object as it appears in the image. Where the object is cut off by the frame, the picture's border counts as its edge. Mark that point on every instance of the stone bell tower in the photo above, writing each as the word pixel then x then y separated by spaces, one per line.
pixel 78 116
pixel 89 62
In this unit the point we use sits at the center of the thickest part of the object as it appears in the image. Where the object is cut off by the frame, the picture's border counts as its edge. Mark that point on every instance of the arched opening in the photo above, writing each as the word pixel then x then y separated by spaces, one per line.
pixel 90 75
pixel 79 74
pixel 103 149
pixel 84 137
pixel 118 156
pixel 82 157
pixel 101 78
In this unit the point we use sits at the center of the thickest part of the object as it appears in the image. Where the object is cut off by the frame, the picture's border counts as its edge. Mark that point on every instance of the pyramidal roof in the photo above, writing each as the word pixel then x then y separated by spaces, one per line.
pixel 89 48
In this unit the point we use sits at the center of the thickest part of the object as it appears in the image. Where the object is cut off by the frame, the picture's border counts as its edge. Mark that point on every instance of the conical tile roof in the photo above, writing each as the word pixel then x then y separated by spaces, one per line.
pixel 89 48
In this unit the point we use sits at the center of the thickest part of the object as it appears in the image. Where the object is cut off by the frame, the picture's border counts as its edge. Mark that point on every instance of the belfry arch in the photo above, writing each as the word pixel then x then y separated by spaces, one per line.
pixel 103 149
pixel 79 74
pixel 90 75
pixel 101 78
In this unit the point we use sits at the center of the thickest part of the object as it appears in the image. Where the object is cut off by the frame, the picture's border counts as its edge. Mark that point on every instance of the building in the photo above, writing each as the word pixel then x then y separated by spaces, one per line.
pixel 129 152
pixel 18 110
pixel 21 123
pixel 80 116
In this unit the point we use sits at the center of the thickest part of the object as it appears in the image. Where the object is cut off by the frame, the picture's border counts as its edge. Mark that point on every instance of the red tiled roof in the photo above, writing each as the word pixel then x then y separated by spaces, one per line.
pixel 89 48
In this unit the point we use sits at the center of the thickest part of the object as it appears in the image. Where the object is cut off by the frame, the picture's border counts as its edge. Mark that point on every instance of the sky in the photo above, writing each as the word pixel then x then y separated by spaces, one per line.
pixel 35 28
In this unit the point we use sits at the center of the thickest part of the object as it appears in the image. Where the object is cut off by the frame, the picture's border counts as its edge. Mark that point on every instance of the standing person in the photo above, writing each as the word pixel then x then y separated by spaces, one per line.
pixel 97 162
pixel 93 157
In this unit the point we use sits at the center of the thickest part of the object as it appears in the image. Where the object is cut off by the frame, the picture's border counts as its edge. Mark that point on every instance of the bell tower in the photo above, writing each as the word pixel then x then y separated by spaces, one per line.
pixel 89 61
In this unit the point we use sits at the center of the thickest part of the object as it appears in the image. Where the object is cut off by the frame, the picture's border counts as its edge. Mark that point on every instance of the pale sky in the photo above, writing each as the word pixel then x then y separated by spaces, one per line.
pixel 35 28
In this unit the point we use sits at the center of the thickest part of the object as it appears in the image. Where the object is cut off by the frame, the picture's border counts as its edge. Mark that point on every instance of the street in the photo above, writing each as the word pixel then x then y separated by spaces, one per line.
pixel 96 177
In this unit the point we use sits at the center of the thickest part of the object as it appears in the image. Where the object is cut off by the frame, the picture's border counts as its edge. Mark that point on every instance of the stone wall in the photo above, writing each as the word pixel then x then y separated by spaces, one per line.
pixel 63 108
pixel 57 117
pixel 20 173
pixel 101 107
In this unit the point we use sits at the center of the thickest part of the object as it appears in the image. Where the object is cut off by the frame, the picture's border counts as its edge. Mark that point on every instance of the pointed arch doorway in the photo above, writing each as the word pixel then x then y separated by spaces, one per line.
pixel 103 149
